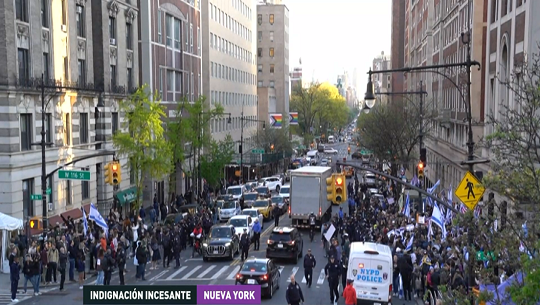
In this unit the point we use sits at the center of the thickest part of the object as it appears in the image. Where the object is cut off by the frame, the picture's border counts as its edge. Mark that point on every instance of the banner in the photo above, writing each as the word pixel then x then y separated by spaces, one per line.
pixel 276 120
pixel 293 118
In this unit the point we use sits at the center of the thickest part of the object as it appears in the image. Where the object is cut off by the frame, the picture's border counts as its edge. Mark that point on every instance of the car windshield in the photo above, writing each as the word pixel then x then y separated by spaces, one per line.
pixel 254 267
pixel 229 205
pixel 234 191
pixel 238 222
pixel 284 190
pixel 277 199
pixel 251 213
pixel 250 196
pixel 220 233
pixel 277 237
pixel 262 190
pixel 260 204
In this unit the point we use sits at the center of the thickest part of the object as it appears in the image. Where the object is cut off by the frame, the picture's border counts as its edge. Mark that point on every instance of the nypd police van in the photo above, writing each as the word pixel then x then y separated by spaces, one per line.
pixel 371 266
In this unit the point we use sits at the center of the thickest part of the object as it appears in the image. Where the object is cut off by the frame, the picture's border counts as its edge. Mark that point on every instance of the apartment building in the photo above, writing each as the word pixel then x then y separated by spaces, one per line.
pixel 433 36
pixel 84 49
pixel 296 79
pixel 397 49
pixel 171 48
pixel 273 55
pixel 229 66
pixel 382 82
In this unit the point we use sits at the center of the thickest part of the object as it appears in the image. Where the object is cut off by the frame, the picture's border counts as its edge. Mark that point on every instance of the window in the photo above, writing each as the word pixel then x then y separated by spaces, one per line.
pixel 112 29
pixel 191 38
pixel 26 131
pixel 159 27
pixel 129 34
pixel 85 187
pixel 21 10
pixel 44 13
pixel 64 14
pixel 272 84
pixel 67 192
pixel 259 19
pixel 170 81
pixel 160 83
pixel 272 68
pixel 83 128
pixel 79 17
pixel 271 18
pixel 259 68
pixel 67 129
pixel 169 30
pixel 66 68
pixel 259 35
pixel 259 83
pixel 271 53
pixel 24 65
pixel 272 36
pixel 177 28
pixel 129 78
pixel 199 41
pixel 179 80
pixel 114 122
pixel 48 127
pixel 28 203
pixel 192 81
pixel 199 86
pixel 259 52
pixel 81 65
pixel 46 71
pixel 113 76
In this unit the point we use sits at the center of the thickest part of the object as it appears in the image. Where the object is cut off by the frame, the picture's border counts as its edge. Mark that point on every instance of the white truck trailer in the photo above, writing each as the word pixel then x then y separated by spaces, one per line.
pixel 308 194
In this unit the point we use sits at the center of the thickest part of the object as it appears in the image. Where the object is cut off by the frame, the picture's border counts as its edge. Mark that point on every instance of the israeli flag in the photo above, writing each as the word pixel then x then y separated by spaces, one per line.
pixel 525 229
pixel 410 244
pixel 432 189
pixel 98 219
pixel 407 208
pixel 85 221
pixel 436 217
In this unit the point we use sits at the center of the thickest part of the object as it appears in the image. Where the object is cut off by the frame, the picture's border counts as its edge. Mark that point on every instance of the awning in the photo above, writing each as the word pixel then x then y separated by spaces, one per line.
pixel 127 196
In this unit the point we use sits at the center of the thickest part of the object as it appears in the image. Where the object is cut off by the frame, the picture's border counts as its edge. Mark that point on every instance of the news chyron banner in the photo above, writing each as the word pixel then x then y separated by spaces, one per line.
pixel 169 294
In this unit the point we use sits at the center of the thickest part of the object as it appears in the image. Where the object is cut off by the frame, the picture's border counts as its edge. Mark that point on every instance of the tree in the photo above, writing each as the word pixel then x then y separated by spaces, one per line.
pixel 142 138
pixel 279 137
pixel 391 130
pixel 218 155
pixel 189 132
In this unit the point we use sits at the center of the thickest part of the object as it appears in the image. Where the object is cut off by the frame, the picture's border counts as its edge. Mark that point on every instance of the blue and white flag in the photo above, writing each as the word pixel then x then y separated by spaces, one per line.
pixel 437 218
pixel 450 199
pixel 525 229
pixel 98 219
pixel 415 181
pixel 407 208
pixel 430 190
pixel 85 221
pixel 410 244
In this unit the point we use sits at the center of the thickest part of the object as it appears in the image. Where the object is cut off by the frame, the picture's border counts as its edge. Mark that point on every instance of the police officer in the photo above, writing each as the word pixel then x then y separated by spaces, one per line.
pixel 276 212
pixel 294 293
pixel 309 264
pixel 244 243
pixel 344 268
pixel 332 272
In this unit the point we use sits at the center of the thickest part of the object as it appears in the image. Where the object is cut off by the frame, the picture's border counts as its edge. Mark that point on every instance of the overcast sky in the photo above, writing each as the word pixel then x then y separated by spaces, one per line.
pixel 336 35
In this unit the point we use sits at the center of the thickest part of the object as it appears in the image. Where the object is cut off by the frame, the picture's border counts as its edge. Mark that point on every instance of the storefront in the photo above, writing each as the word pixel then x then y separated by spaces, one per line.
pixel 124 199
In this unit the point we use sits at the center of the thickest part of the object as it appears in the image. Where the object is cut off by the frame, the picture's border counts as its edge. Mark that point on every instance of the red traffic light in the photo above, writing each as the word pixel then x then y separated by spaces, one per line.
pixel 339 181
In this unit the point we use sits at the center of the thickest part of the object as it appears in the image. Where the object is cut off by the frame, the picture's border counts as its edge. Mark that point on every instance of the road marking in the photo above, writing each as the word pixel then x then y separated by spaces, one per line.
pixel 293 272
pixel 205 272
pixel 194 259
pixel 320 281
pixel 177 272
pixel 162 273
pixel 233 274
pixel 191 272
pixel 304 281
pixel 217 274
pixel 281 269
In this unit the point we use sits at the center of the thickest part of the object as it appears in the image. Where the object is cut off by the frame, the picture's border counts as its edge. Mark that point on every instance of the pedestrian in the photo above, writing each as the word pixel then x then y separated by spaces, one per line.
pixel 309 264
pixel 244 243
pixel 256 235
pixel 52 257
pixel 332 272
pixel 81 268
pixel 142 258
pixel 14 270
pixel 99 267
pixel 276 213
pixel 121 260
pixel 294 294
pixel 63 260
pixel 344 269
pixel 349 293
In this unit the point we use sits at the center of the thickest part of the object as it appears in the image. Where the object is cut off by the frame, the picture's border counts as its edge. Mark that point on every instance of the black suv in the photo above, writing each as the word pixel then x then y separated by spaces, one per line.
pixel 222 241
pixel 285 242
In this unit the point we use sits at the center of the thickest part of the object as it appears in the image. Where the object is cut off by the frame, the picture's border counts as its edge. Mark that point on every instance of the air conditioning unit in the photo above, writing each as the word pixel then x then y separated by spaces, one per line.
pixel 113 41
pixel 79 9
pixel 50 206
pixel 63 27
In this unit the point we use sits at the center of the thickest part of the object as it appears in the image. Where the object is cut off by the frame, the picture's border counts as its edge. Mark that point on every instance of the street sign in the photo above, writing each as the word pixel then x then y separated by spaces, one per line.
pixel 74 175
pixel 470 190
pixel 257 151
pixel 49 191
pixel 36 197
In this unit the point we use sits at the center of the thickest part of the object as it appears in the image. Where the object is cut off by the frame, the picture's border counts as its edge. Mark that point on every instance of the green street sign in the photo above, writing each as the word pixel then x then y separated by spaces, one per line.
pixel 74 175
pixel 36 197
pixel 49 191
pixel 257 151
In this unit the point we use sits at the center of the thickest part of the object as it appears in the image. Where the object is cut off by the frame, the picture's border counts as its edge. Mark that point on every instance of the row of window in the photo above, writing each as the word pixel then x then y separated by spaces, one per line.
pixel 232 99
pixel 271 68
pixel 270 36
pixel 231 74
pixel 260 52
pixel 223 125
pixel 229 48
pixel 27 129
pixel 230 23
pixel 175 84
pixel 271 84
pixel 174 30
pixel 270 19
pixel 505 6
pixel 242 8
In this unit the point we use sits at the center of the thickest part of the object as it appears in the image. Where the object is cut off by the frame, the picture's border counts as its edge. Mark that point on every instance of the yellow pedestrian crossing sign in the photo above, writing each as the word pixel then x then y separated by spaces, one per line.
pixel 470 190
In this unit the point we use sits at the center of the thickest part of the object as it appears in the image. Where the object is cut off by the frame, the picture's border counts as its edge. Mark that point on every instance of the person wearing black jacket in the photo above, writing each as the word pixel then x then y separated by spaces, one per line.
pixel 294 293
pixel 344 269
pixel 62 264
pixel 309 264
pixel 73 251
pixel 332 272
pixel 14 270
pixel 244 244
pixel 141 260
pixel 121 260
pixel 405 268
pixel 276 213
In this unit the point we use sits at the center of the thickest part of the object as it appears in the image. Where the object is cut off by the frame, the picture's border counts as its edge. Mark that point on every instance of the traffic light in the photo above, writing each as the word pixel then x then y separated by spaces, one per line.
pixel 108 173
pixel 116 173
pixel 330 189
pixel 420 170
pixel 423 157
pixel 35 224
pixel 349 150
pixel 341 194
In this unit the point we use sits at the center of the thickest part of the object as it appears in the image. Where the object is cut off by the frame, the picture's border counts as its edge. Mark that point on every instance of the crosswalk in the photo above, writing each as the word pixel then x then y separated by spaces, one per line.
pixel 5 298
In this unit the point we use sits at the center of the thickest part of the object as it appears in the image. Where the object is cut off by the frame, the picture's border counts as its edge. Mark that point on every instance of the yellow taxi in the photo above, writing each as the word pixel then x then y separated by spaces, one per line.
pixel 264 206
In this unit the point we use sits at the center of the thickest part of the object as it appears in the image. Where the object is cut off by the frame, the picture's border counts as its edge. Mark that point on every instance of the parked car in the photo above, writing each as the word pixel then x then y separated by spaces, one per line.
pixel 221 241
pixel 273 183
pixel 285 242
pixel 259 271
pixel 255 214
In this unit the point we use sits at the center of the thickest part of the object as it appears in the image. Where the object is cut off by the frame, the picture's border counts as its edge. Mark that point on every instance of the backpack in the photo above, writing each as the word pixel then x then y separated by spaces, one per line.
pixel 166 241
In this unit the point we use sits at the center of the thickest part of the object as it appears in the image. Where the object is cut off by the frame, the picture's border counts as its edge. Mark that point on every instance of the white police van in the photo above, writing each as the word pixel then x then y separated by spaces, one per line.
pixel 371 266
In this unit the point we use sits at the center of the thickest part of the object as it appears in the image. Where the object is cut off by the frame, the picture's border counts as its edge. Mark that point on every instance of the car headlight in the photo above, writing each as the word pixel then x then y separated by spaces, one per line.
pixel 205 245
pixel 227 244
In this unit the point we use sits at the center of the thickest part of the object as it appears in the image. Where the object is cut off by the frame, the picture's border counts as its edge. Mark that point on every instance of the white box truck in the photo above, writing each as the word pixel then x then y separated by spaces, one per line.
pixel 308 194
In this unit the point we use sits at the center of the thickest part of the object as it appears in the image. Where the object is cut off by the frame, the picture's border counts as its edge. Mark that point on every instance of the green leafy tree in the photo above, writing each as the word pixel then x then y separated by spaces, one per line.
pixel 142 138
pixel 217 156
pixel 278 137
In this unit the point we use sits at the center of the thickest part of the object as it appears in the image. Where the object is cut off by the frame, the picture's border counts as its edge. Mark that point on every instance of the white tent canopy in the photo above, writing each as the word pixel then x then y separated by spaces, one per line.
pixel 10 223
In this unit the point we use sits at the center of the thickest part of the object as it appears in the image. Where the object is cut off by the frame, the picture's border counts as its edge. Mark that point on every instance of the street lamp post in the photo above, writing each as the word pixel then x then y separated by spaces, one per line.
pixel 240 150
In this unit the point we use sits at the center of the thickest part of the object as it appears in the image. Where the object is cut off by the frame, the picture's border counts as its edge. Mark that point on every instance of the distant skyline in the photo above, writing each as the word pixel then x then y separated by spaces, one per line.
pixel 336 36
